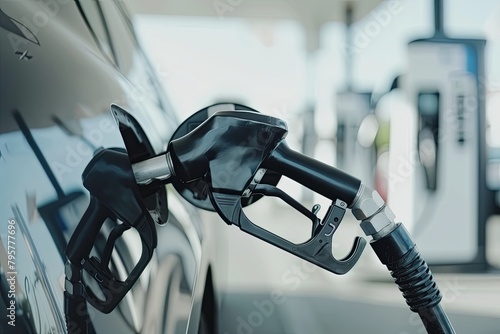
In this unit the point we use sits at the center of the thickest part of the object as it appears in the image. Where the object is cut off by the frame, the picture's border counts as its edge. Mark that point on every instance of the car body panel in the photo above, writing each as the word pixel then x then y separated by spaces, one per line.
pixel 62 89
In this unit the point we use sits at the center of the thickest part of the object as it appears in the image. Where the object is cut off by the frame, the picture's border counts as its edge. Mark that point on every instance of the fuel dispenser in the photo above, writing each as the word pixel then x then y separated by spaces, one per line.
pixel 438 163
pixel 355 135
pixel 354 153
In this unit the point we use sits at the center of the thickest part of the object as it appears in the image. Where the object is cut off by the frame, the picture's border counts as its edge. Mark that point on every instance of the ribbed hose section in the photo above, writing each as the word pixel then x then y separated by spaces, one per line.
pixel 415 281
pixel 412 275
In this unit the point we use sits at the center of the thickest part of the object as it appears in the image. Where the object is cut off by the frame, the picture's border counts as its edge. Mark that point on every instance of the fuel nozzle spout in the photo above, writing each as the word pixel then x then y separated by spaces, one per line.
pixel 227 149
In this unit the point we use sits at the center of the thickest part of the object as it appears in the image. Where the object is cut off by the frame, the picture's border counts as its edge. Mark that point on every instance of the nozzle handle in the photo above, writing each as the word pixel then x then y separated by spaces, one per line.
pixel 83 239
pixel 313 174
pixel 114 194
pixel 227 149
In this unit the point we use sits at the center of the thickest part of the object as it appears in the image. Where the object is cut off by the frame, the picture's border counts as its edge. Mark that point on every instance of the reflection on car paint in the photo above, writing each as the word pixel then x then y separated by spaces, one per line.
pixel 17 28
pixel 38 291
pixel 55 96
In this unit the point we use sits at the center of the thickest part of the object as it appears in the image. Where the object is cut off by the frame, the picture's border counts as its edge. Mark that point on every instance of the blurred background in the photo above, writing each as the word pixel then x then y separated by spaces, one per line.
pixel 403 94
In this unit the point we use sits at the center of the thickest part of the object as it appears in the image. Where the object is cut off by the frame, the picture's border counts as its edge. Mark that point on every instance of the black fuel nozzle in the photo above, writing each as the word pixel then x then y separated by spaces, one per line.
pixel 114 195
pixel 231 151
pixel 227 149
pixel 313 174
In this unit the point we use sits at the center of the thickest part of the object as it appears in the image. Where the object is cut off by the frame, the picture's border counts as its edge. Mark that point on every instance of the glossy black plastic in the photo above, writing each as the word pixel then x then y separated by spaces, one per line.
pixel 410 271
pixel 317 250
pixel 315 175
pixel 227 149
pixel 154 196
pixel 196 192
pixel 114 194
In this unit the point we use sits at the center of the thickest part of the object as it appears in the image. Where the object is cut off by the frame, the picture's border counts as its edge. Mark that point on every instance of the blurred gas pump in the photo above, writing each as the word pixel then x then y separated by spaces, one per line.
pixel 493 174
pixel 356 123
pixel 444 160
pixel 356 131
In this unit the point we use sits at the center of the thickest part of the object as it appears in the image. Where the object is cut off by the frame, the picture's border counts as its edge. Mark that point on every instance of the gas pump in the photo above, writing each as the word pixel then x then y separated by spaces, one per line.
pixel 353 153
pixel 354 141
pixel 440 159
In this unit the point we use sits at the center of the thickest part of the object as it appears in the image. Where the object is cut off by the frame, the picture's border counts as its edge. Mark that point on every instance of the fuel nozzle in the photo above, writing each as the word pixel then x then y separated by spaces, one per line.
pixel 227 149
pixel 231 151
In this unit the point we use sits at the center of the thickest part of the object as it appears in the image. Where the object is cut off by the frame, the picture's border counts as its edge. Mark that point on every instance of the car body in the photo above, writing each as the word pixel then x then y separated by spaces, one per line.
pixel 63 63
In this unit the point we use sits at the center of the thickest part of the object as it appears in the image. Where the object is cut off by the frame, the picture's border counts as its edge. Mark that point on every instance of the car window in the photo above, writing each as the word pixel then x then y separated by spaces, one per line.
pixel 130 59
pixel 94 16
pixel 132 63
pixel 121 36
